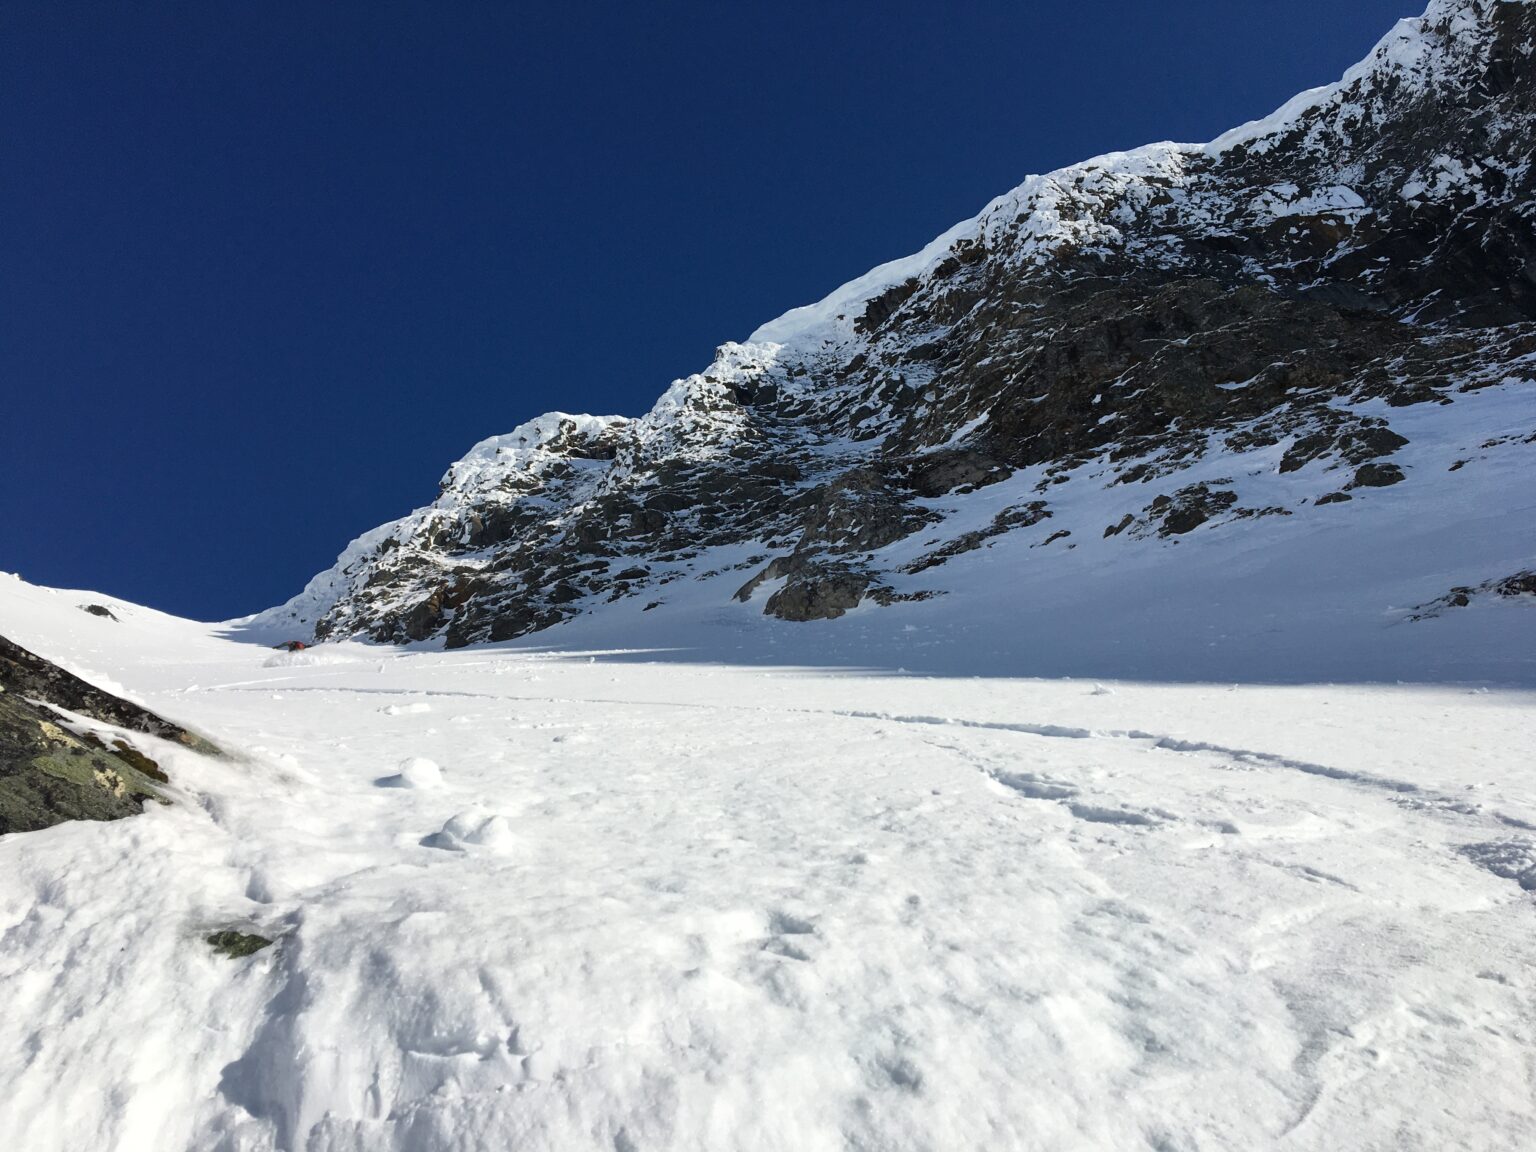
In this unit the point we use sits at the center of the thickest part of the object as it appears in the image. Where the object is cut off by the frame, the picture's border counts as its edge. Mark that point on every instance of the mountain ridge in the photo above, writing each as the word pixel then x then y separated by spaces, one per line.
pixel 1280 292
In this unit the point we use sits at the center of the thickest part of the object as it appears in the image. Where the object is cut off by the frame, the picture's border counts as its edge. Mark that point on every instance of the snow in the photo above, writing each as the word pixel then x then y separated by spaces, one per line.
pixel 1447 177
pixel 471 829
pixel 484 469
pixel 849 299
pixel 656 902
pixel 308 658
pixel 1285 200
pixel 415 772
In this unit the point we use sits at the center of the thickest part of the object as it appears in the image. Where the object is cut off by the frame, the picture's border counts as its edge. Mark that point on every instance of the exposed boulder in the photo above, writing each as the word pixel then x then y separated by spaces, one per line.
pixel 963 470
pixel 1189 508
pixel 1376 476
pixel 1520 584
pixel 1508 587
pixel 236 945
pixel 49 774
pixel 54 768
pixel 1005 521
pixel 860 511
pixel 819 591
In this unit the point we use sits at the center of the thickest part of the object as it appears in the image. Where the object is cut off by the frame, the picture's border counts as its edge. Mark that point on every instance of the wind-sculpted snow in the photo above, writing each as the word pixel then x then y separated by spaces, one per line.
pixel 572 901
pixel 1270 341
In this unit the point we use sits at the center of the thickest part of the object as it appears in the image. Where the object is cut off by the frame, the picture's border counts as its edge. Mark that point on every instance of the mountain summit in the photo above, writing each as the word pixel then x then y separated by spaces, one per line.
pixel 1278 391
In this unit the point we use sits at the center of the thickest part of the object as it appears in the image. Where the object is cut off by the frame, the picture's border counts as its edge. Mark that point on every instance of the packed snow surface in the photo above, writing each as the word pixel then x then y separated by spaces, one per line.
pixel 564 899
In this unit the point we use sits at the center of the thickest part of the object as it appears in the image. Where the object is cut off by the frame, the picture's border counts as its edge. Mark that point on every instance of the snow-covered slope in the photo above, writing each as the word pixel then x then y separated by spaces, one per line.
pixel 574 901
pixel 1237 409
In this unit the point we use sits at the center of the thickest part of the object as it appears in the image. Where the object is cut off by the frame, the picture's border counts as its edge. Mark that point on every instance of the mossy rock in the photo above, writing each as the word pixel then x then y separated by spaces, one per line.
pixel 49 775
pixel 27 674
pixel 236 945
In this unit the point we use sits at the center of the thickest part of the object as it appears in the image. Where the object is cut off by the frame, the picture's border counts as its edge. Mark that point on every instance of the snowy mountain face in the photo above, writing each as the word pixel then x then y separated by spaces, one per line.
pixel 1314 334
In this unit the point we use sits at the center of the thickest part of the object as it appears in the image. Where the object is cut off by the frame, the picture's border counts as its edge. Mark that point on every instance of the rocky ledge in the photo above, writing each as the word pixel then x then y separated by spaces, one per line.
pixel 67 749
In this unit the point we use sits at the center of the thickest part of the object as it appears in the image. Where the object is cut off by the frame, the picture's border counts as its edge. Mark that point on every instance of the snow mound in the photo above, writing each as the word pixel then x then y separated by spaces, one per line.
pixel 419 708
pixel 309 658
pixel 474 828
pixel 415 772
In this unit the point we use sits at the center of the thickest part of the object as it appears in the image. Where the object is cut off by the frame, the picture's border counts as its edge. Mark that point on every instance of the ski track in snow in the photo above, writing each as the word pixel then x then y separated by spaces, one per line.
pixel 1420 797
pixel 557 901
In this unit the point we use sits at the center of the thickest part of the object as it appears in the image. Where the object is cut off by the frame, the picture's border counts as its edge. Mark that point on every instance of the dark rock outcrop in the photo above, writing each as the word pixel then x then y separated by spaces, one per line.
pixel 49 774
pixel 27 675
pixel 236 945
pixel 1507 587
pixel 50 769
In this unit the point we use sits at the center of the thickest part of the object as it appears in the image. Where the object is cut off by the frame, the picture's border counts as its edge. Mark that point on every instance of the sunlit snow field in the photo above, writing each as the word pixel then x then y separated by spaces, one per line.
pixel 632 906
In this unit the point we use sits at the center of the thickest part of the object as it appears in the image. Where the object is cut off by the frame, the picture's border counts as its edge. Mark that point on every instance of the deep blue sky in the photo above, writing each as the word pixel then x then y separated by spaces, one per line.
pixel 266 269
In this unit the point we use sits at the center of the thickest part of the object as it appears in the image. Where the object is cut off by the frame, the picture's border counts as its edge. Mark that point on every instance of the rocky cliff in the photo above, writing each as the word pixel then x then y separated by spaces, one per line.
pixel 1180 339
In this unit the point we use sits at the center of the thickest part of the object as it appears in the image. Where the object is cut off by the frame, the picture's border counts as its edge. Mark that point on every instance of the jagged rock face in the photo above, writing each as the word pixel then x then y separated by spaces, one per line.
pixel 1369 248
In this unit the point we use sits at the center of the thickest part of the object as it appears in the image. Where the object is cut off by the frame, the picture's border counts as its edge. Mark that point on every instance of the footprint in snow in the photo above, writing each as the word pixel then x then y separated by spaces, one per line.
pixel 1513 859
pixel 1034 787
pixel 790 934
pixel 1093 814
